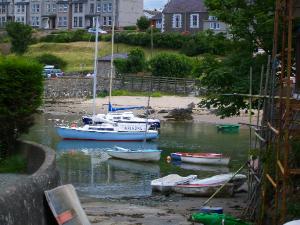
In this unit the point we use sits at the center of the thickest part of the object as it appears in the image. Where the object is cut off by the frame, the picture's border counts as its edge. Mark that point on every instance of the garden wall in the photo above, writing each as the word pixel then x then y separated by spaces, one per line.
pixel 22 199
pixel 81 87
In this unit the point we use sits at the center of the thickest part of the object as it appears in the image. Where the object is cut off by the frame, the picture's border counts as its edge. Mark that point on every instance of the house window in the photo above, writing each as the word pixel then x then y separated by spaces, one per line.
pixel 65 7
pixel 35 8
pixel 20 19
pixel 105 7
pixel 2 9
pixel 62 21
pixel 214 26
pixel 78 8
pixel 177 21
pixel 54 8
pixel 212 18
pixel 20 8
pixel 35 21
pixel 107 21
pixel 109 7
pixel 98 7
pixel 75 22
pixel 80 21
pixel 2 21
pixel 92 8
pixel 194 21
pixel 48 8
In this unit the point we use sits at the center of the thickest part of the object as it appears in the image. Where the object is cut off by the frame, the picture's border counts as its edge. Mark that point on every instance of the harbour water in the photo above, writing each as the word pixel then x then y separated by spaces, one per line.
pixel 86 165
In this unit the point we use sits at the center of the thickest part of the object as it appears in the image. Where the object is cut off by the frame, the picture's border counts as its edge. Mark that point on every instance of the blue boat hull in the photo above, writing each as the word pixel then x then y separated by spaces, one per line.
pixel 71 133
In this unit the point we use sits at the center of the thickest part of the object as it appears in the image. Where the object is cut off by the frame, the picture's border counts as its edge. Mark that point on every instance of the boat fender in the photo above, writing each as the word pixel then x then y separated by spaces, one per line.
pixel 168 159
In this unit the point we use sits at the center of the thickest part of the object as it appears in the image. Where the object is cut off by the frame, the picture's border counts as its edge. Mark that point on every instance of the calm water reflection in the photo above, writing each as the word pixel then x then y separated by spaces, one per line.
pixel 86 165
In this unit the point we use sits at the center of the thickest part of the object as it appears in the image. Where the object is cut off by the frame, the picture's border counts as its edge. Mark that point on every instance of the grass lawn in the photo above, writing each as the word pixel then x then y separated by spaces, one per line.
pixel 82 53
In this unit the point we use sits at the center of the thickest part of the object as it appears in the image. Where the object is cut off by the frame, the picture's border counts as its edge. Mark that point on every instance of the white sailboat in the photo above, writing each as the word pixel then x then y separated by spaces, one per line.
pixel 126 120
pixel 107 130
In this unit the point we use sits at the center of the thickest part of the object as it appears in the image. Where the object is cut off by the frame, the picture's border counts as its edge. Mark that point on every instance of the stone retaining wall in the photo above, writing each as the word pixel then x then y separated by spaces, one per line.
pixel 23 201
pixel 82 87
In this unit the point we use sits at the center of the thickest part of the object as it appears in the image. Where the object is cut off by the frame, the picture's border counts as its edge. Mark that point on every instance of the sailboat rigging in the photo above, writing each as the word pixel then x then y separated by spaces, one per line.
pixel 107 130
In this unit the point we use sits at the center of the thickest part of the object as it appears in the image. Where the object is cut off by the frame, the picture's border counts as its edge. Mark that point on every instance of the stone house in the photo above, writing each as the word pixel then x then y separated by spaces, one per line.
pixel 70 14
pixel 184 16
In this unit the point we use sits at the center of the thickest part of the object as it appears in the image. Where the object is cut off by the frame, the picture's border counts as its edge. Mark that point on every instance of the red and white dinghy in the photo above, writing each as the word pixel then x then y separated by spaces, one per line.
pixel 202 158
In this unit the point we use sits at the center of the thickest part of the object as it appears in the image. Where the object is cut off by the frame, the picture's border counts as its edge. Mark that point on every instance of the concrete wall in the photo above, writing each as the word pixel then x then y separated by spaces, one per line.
pixel 23 201
pixel 129 11
pixel 71 87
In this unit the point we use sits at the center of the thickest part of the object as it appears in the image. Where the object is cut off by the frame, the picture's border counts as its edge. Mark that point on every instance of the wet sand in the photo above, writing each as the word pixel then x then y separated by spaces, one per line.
pixel 82 107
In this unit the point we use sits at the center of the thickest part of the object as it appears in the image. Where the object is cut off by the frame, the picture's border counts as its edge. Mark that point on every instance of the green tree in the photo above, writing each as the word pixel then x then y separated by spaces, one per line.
pixel 20 35
pixel 143 23
pixel 136 62
pixel 21 88
pixel 170 65
pixel 251 25
pixel 49 59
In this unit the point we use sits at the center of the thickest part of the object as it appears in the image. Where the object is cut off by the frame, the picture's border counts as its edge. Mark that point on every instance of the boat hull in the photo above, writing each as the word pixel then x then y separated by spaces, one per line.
pixel 165 184
pixel 73 133
pixel 210 161
pixel 204 190
pixel 136 155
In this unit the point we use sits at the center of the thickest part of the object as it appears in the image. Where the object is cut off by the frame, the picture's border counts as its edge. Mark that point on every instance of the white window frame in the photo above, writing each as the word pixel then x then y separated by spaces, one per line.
pixel 192 25
pixel 105 7
pixel 214 25
pixel 107 20
pixel 65 7
pixel 177 21
pixel 110 7
pixel 98 7
pixel 53 7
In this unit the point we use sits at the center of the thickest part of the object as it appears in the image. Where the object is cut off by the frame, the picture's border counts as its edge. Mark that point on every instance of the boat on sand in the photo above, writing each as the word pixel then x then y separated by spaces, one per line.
pixel 165 184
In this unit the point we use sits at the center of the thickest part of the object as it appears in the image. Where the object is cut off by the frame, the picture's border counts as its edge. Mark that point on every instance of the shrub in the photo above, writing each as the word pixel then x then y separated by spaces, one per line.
pixel 143 23
pixel 49 59
pixel 121 66
pixel 20 35
pixel 69 36
pixel 135 62
pixel 170 65
pixel 129 28
pixel 21 89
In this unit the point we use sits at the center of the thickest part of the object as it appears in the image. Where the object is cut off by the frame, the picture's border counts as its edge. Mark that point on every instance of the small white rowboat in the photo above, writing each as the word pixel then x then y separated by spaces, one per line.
pixel 204 190
pixel 202 158
pixel 165 184
pixel 138 155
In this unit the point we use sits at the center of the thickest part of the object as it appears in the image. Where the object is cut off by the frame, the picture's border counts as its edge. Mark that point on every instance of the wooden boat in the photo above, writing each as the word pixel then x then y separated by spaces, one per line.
pixel 201 167
pixel 228 127
pixel 201 158
pixel 165 184
pixel 204 190
pixel 138 155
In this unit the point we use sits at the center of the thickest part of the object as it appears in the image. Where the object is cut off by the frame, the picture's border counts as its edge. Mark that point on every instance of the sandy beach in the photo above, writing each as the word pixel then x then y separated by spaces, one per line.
pixel 157 208
pixel 82 107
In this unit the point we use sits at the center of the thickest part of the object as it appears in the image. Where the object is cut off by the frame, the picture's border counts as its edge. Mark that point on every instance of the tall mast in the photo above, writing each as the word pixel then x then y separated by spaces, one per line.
pixel 112 51
pixel 95 66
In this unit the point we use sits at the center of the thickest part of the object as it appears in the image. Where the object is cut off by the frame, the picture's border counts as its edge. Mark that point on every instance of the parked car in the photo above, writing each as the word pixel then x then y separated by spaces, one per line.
pixel 50 72
pixel 93 31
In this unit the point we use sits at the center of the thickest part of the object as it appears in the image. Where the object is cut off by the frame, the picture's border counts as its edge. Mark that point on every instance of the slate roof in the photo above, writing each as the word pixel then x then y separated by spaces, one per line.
pixel 115 56
pixel 183 6
pixel 157 16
